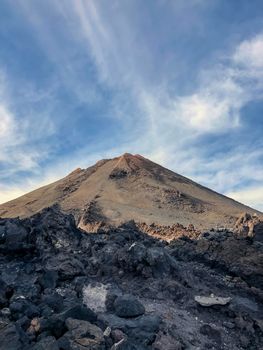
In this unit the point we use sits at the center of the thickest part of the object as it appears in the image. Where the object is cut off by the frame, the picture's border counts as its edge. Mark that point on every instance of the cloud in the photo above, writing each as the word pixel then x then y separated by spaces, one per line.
pixel 252 196
pixel 6 122
pixel 225 89
pixel 249 54
pixel 229 170
pixel 159 121
pixel 19 133
pixel 216 104
pixel 6 117
pixel 214 108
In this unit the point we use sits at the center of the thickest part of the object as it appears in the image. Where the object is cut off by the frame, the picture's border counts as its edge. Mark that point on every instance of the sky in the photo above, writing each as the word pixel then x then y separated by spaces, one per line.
pixel 179 82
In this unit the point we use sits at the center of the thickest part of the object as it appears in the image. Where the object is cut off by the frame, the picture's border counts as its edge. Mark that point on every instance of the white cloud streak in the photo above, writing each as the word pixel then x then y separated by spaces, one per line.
pixel 249 54
pixel 169 124
pixel 17 133
pixel 252 196
pixel 6 122
pixel 214 107
pixel 175 121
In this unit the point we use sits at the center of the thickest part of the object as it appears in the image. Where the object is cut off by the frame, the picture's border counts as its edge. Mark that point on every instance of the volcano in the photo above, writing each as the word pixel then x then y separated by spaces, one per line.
pixel 148 284
pixel 130 187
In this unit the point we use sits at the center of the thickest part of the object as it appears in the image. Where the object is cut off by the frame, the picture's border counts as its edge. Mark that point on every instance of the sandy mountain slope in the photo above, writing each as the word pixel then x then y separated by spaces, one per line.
pixel 130 187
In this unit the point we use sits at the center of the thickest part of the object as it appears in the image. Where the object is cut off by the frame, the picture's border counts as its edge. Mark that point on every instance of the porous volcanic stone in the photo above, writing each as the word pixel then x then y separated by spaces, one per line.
pixel 128 306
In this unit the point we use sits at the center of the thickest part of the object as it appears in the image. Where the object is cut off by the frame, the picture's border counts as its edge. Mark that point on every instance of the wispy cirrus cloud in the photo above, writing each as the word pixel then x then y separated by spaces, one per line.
pixel 174 122
pixel 216 103
pixel 225 89
pixel 111 59
pixel 18 131
pixel 6 123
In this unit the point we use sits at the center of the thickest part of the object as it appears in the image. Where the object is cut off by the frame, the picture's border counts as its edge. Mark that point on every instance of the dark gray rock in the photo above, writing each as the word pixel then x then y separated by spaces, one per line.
pixel 15 238
pixel 128 306
pixel 168 342
pixel 47 343
pixel 82 334
pixel 3 294
pixel 48 279
pixel 22 307
pixel 55 324
pixel 143 328
pixel 44 270
pixel 9 338
pixel 79 312
pixel 211 332
pixel 55 231
pixel 66 267
pixel 54 301
pixel 160 261
pixel 110 300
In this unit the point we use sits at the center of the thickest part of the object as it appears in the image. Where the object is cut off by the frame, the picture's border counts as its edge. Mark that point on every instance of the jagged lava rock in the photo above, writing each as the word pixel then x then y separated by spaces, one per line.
pixel 128 306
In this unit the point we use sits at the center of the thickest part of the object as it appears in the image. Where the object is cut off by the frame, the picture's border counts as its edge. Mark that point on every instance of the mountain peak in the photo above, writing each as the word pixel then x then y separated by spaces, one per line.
pixel 131 157
pixel 126 155
pixel 130 187
pixel 129 162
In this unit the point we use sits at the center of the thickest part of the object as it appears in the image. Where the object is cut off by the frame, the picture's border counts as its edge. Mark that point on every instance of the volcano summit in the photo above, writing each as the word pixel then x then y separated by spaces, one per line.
pixel 130 187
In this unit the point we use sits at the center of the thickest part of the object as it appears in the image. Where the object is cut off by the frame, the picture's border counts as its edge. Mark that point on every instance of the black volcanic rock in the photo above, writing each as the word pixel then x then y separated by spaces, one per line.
pixel 4 292
pixel 10 338
pixel 47 343
pixel 66 267
pixel 61 288
pixel 16 238
pixel 128 306
pixel 83 334
pixel 48 279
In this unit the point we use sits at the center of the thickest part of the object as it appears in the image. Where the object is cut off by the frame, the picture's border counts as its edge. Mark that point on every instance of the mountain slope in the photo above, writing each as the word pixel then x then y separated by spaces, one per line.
pixel 130 187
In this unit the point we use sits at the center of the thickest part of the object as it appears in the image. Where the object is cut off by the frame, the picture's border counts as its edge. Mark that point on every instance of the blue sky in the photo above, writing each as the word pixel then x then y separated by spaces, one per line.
pixel 180 82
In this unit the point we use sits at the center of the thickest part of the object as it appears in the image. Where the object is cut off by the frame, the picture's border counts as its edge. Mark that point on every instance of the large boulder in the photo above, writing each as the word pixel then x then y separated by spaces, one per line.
pixel 160 261
pixel 128 306
pixel 55 324
pixel 55 230
pixel 21 307
pixel 248 225
pixel 67 267
pixel 48 279
pixel 84 335
pixel 147 261
pixel 16 238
